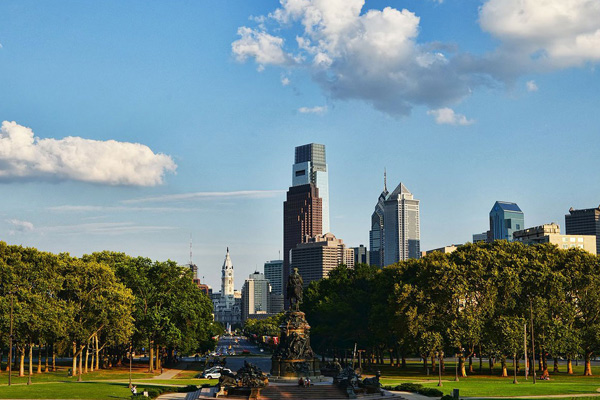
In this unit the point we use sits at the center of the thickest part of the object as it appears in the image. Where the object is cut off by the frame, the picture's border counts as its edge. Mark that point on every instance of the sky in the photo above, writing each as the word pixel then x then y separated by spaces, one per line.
pixel 135 126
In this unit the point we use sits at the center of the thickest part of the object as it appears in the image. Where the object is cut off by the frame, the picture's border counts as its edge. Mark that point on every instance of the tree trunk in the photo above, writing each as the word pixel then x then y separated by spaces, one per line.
pixel 22 362
pixel 461 366
pixel 569 366
pixel 53 358
pixel 433 362
pixel 403 362
pixel 544 361
pixel 443 363
pixel 503 363
pixel 39 367
pixel 87 359
pixel 97 353
pixel 46 369
pixel 531 366
pixel 80 362
pixel 540 363
pixel 74 372
pixel 491 361
pixel 555 363
pixel 157 358
pixel 151 358
pixel 587 370
pixel 471 370
pixel 30 359
pixel 425 363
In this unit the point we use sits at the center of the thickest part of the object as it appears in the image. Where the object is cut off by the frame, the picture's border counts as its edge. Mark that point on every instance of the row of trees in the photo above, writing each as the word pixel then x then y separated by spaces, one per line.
pixel 476 300
pixel 99 307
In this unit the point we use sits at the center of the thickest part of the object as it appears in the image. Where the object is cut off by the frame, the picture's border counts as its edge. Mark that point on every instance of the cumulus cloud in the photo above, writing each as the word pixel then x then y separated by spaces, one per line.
pixel 285 81
pixel 550 33
pixel 375 55
pixel 531 86
pixel 19 226
pixel 313 110
pixel 24 156
pixel 252 194
pixel 447 116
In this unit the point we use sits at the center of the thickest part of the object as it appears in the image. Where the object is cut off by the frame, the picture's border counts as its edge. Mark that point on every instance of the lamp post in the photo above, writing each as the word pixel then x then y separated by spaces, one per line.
pixel 10 340
pixel 532 340
pixel 130 360
pixel 441 357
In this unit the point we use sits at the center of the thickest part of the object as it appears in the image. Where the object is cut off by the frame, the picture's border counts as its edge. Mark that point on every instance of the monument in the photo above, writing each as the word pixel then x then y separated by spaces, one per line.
pixel 294 357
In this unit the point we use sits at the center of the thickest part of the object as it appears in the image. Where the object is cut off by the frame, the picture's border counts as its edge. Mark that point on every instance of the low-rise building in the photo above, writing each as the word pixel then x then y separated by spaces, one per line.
pixel 550 233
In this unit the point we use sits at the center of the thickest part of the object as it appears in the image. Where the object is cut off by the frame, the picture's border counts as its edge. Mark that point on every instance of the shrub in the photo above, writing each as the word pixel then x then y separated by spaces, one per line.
pixel 430 392
pixel 409 387
pixel 447 397
pixel 188 388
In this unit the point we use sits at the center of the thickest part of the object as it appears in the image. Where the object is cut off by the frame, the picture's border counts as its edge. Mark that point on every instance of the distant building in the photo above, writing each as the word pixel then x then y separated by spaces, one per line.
pixel 445 249
pixel 402 226
pixel 361 255
pixel 377 233
pixel 274 273
pixel 276 304
pixel 480 237
pixel 505 218
pixel 255 295
pixel 584 222
pixel 310 166
pixel 205 288
pixel 226 304
pixel 301 220
pixel 194 268
pixel 550 233
pixel 321 254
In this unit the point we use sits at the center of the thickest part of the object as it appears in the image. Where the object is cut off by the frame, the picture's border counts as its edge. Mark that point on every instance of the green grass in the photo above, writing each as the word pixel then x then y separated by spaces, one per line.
pixel 61 375
pixel 67 390
pixel 177 381
pixel 492 385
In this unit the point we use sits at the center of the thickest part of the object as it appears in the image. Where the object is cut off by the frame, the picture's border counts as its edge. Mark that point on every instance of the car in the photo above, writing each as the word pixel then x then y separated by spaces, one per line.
pixel 245 351
pixel 212 375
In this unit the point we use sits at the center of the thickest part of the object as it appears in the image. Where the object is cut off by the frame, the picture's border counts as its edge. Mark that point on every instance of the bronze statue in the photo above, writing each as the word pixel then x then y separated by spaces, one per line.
pixel 294 290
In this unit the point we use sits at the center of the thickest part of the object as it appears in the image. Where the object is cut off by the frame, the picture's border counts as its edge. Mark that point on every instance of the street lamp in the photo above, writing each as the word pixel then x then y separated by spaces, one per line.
pixel 441 357
pixel 10 340
pixel 130 360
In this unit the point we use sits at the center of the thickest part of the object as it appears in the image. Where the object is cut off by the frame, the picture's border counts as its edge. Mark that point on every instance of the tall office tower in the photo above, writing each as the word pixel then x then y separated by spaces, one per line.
pixel 310 166
pixel 402 226
pixel 255 295
pixel 505 218
pixel 302 212
pixel 377 234
pixel 274 274
pixel 319 255
pixel 361 255
pixel 584 222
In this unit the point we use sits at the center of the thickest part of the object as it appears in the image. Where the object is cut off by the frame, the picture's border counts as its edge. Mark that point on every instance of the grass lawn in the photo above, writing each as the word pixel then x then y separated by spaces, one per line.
pixel 177 381
pixel 492 385
pixel 67 390
pixel 138 372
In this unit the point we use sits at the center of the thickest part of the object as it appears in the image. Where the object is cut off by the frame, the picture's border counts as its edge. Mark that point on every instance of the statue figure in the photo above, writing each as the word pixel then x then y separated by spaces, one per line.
pixel 294 290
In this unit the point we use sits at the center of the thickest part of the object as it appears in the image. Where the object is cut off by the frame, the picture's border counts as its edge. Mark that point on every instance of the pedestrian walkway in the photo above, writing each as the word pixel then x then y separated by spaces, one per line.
pixel 171 373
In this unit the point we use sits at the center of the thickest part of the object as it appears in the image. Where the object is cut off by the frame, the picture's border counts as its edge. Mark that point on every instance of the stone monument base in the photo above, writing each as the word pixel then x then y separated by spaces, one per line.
pixel 295 368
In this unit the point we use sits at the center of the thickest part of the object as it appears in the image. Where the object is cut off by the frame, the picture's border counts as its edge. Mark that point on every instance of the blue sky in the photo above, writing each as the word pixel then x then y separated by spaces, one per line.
pixel 130 126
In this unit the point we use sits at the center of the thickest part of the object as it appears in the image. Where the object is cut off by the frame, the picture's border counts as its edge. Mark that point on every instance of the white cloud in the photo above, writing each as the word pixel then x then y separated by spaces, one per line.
pixel 20 226
pixel 24 156
pixel 313 110
pixel 263 47
pixel 87 208
pixel 375 56
pixel 531 86
pixel 104 228
pixel 447 116
pixel 551 33
pixel 285 81
pixel 252 194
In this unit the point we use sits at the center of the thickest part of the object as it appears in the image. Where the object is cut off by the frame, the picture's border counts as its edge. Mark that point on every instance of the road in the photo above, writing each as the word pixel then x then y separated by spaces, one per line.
pixel 256 357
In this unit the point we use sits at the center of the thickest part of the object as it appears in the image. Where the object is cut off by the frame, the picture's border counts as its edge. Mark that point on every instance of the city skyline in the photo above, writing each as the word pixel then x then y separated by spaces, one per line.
pixel 131 126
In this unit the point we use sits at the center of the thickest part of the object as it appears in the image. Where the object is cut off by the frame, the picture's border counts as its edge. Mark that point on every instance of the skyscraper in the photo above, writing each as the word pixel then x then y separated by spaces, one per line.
pixel 505 218
pixel 319 255
pixel 255 295
pixel 274 274
pixel 402 226
pixel 226 304
pixel 302 213
pixel 310 166
pixel 377 234
pixel 584 222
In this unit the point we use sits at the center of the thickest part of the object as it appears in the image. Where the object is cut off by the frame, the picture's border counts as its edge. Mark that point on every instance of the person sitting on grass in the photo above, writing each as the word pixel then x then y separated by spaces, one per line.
pixel 301 381
pixel 134 390
pixel 545 375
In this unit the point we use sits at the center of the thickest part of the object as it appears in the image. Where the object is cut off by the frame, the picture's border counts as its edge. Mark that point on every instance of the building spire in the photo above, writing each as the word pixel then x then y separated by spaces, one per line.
pixel 384 180
pixel 191 249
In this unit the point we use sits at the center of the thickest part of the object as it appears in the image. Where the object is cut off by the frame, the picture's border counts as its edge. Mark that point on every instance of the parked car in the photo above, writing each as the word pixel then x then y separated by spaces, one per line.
pixel 212 375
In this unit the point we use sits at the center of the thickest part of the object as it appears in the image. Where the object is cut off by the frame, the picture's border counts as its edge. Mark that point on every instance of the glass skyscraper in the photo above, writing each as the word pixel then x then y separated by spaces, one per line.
pixel 505 218
pixel 310 166
pixel 402 226
pixel 377 234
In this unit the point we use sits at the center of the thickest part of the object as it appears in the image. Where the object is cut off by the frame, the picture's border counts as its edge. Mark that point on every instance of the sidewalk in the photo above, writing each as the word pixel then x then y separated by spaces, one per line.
pixel 171 373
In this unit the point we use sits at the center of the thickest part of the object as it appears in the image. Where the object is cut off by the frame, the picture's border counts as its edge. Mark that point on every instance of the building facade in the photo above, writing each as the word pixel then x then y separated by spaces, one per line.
pixel 226 304
pixel 361 255
pixel 584 222
pixel 505 218
pixel 480 237
pixel 255 295
pixel 319 255
pixel 550 233
pixel 402 226
pixel 377 232
pixel 274 273
pixel 301 221
pixel 310 166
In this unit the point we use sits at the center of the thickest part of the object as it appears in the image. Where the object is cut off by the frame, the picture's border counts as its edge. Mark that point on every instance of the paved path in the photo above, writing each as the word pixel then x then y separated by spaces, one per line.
pixel 171 373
